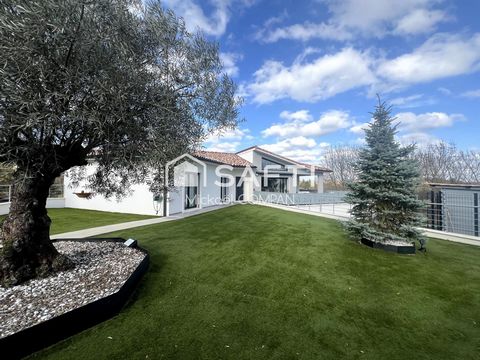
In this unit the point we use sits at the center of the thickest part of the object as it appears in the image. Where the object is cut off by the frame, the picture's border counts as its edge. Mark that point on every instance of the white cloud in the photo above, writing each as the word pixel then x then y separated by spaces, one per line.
pixel 471 94
pixel 276 19
pixel 328 122
pixel 215 23
pixel 441 56
pixel 409 121
pixel 300 115
pixel 319 79
pixel 359 128
pixel 242 90
pixel 377 17
pixel 369 18
pixel 231 134
pixel 229 61
pixel 287 144
pixel 411 101
pixel 195 18
pixel 303 32
pixel 413 128
pixel 298 148
pixel 224 146
pixel 227 141
pixel 418 138
pixel 399 101
pixel 420 21
pixel 310 80
pixel 445 91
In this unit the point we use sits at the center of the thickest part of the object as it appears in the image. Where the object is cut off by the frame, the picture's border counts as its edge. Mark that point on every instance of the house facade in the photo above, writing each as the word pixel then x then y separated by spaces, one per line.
pixel 206 178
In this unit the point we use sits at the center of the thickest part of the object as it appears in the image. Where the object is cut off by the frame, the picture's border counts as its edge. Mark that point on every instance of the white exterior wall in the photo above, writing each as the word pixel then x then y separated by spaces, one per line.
pixel 52 203
pixel 212 188
pixel 4 208
pixel 320 183
pixel 175 201
pixel 139 200
pixel 250 185
pixel 55 203
pixel 253 157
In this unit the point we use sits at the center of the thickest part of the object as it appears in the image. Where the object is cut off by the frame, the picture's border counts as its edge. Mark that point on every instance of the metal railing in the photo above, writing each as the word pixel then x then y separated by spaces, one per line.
pixel 453 214
pixel 339 209
pixel 4 193
pixel 334 197
pixel 454 218
pixel 56 192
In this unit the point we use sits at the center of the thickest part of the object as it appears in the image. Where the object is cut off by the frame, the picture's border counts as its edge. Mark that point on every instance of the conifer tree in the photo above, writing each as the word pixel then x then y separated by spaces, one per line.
pixel 385 205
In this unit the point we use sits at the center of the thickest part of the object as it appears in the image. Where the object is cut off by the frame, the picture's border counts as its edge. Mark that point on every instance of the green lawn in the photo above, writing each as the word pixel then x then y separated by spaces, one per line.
pixel 65 220
pixel 249 282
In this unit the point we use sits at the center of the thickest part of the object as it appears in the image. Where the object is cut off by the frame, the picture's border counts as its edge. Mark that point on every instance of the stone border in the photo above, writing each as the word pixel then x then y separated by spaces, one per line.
pixel 49 332
pixel 399 249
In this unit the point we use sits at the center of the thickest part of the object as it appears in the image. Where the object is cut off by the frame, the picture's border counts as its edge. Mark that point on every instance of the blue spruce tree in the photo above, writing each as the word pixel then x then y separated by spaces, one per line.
pixel 385 205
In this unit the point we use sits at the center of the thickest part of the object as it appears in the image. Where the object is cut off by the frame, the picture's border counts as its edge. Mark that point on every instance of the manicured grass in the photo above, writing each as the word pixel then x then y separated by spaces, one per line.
pixel 66 220
pixel 249 282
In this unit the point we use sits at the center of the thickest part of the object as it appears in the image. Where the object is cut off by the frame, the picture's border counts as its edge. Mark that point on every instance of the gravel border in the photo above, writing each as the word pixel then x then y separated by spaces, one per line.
pixel 101 268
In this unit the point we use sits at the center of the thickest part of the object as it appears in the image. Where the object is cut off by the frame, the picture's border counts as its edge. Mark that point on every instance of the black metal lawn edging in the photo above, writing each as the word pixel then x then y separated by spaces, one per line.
pixel 49 332
pixel 399 249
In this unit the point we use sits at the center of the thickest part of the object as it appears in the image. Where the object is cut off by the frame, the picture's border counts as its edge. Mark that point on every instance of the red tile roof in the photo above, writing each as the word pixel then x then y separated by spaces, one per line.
pixel 222 158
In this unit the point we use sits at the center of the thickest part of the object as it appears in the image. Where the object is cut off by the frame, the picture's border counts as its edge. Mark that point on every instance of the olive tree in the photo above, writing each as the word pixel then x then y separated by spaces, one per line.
pixel 117 81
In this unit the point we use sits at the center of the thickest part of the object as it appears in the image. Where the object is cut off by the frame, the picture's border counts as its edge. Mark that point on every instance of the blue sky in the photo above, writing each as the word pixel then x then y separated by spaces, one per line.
pixel 309 70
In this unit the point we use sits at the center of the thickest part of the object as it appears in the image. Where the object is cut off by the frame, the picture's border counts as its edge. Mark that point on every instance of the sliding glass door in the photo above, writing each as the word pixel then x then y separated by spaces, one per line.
pixel 223 189
pixel 191 190
pixel 278 185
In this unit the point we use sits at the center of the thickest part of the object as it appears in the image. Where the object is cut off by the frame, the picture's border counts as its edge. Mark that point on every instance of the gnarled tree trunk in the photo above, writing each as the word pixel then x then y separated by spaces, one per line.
pixel 27 251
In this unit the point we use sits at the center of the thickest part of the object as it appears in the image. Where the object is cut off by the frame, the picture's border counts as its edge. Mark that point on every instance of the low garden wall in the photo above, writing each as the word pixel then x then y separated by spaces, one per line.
pixel 49 332
pixel 52 203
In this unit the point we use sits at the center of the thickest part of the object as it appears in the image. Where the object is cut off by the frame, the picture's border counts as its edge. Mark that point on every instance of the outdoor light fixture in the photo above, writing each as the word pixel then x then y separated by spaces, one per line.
pixel 130 243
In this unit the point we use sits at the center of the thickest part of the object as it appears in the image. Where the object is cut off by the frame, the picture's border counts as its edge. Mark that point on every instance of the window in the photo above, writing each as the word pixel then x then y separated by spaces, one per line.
pixel 266 162
pixel 223 188
pixel 278 185
pixel 191 190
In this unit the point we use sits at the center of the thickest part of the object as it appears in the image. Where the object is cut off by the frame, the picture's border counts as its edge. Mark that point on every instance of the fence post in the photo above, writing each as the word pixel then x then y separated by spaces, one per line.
pixel 475 214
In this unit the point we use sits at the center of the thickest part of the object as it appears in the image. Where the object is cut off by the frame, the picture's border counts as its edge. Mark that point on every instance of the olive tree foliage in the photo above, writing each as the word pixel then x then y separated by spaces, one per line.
pixel 120 82
pixel 6 172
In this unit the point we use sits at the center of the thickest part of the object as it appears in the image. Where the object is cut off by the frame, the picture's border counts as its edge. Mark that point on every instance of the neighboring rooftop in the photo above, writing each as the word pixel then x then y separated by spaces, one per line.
pixel 463 186
pixel 257 148
pixel 231 159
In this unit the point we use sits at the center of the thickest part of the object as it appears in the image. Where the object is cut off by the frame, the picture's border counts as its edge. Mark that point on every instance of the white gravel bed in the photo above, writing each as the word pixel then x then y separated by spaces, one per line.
pixel 101 268
pixel 397 243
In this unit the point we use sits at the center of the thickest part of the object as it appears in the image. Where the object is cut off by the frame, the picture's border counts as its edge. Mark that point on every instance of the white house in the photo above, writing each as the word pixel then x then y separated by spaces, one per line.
pixel 206 178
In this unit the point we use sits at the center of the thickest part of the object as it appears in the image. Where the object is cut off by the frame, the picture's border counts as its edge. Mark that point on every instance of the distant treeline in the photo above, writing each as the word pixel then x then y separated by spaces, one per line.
pixel 439 162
